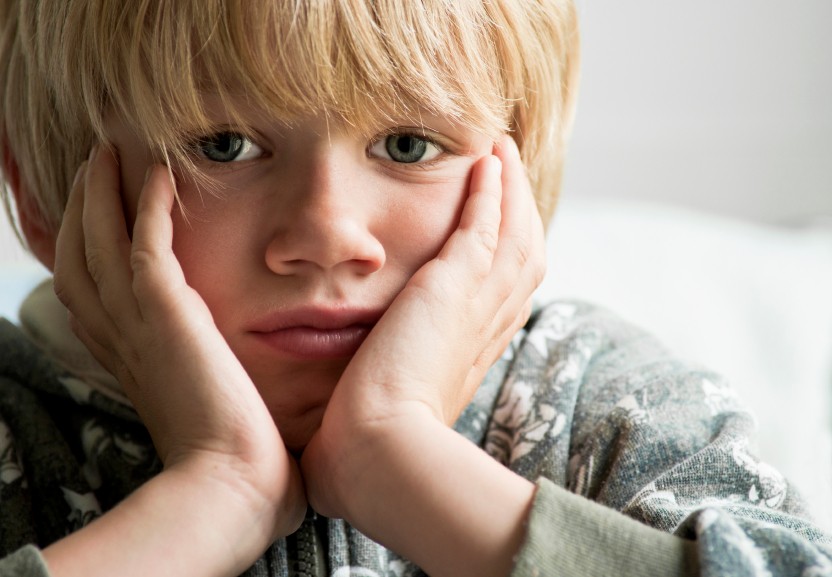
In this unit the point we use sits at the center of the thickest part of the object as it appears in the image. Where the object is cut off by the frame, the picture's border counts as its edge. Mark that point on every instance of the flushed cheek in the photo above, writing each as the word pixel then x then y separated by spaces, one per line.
pixel 212 253
pixel 420 228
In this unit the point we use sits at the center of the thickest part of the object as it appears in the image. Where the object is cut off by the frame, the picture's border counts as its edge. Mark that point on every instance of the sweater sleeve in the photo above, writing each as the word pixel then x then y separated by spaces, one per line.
pixel 570 535
pixel 25 562
pixel 645 465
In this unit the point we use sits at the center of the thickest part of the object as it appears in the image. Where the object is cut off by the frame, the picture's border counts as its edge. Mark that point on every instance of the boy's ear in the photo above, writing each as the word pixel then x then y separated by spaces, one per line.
pixel 39 237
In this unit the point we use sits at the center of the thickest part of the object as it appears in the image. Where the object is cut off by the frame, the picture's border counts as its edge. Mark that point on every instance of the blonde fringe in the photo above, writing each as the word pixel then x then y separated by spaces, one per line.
pixel 491 65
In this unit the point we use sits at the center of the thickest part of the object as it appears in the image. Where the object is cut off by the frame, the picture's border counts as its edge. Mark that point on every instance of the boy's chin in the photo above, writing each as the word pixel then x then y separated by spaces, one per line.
pixel 296 432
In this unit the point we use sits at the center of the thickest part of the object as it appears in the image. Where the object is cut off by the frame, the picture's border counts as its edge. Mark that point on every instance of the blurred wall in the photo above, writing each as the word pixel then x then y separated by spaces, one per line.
pixel 721 105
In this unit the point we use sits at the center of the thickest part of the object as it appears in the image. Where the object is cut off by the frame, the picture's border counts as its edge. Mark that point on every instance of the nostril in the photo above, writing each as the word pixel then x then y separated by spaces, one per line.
pixel 367 266
pixel 325 242
pixel 289 266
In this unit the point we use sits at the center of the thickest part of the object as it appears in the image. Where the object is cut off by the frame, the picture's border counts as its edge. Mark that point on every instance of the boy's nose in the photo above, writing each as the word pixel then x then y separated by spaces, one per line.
pixel 326 224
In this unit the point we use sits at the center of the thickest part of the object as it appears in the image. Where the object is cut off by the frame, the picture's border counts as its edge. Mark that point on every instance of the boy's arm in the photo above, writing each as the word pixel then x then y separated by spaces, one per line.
pixel 454 510
pixel 188 520
pixel 432 496
pixel 229 486
pixel 385 457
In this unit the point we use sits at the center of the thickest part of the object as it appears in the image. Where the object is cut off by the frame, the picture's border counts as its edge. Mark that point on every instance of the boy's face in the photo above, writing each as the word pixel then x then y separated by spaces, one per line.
pixel 314 232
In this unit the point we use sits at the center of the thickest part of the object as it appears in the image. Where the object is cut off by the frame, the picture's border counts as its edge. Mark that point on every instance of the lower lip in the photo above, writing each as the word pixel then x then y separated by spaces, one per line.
pixel 308 343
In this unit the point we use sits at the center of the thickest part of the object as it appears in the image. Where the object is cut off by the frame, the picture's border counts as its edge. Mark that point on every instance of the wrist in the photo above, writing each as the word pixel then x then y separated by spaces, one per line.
pixel 190 519
pixel 340 463
pixel 265 500
pixel 434 497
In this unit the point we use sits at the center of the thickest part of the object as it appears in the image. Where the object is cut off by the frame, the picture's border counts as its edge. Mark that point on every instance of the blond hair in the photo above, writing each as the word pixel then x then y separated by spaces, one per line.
pixel 493 65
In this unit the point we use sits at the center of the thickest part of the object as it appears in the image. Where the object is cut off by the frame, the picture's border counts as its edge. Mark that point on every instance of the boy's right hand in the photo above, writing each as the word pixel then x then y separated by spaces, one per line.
pixel 131 306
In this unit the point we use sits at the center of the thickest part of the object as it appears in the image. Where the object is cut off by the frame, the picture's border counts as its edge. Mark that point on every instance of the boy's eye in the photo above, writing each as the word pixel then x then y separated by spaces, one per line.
pixel 405 148
pixel 228 147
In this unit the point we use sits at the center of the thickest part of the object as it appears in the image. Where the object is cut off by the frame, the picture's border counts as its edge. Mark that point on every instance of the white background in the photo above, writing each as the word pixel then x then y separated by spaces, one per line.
pixel 723 105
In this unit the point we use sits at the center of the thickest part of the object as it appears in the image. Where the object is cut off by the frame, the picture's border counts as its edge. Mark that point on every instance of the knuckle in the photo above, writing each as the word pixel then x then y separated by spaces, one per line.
pixel 538 271
pixel 155 282
pixel 97 258
pixel 505 288
pixel 522 247
pixel 142 262
pixel 61 289
pixel 486 237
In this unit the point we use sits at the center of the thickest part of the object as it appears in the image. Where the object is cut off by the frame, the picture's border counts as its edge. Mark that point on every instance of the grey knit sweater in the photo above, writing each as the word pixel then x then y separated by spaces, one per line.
pixel 643 464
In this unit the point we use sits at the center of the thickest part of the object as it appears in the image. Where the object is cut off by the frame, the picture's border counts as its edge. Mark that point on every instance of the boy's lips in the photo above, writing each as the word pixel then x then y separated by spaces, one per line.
pixel 316 333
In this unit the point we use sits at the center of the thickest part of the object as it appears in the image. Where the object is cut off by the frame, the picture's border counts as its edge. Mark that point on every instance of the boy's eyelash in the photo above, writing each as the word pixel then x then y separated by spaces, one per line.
pixel 412 132
pixel 193 143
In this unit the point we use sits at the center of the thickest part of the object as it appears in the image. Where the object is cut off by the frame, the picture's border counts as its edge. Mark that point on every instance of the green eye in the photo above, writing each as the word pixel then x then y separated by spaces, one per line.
pixel 405 148
pixel 228 147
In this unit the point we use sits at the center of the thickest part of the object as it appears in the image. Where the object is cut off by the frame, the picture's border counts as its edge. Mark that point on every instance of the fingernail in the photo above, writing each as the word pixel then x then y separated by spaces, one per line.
pixel 147 173
pixel 93 152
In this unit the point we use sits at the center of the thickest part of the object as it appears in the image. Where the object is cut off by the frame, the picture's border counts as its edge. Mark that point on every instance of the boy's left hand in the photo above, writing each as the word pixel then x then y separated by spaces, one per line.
pixel 422 363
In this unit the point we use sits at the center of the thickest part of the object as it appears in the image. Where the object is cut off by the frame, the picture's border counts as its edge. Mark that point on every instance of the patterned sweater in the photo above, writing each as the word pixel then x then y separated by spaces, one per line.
pixel 643 464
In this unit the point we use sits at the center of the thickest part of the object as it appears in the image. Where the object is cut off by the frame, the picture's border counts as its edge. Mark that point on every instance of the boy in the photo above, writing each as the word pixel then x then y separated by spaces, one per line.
pixel 305 247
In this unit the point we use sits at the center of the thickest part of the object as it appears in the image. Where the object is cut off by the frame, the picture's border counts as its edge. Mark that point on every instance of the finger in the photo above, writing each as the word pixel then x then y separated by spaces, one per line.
pixel 482 212
pixel 471 247
pixel 107 244
pixel 519 261
pixel 521 228
pixel 73 284
pixel 157 273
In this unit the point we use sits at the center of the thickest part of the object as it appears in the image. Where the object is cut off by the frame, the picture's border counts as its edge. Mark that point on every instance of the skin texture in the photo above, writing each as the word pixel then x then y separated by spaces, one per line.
pixel 445 253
